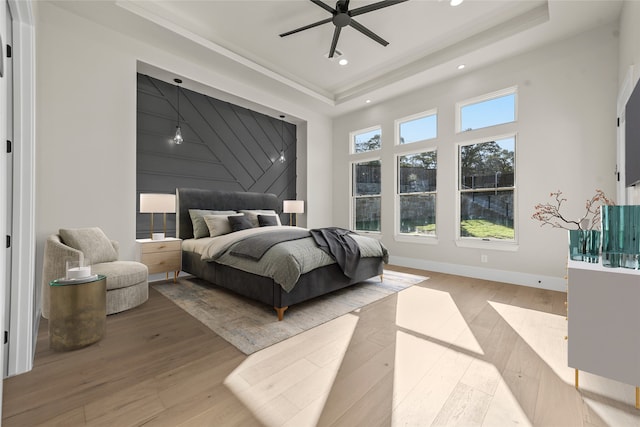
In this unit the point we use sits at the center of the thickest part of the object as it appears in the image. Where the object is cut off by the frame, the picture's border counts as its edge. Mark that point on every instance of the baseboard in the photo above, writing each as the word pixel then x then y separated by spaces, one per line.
pixel 513 277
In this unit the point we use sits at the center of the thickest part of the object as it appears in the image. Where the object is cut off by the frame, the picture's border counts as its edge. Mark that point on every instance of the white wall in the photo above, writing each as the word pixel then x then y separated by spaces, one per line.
pixel 566 140
pixel 86 159
pixel 629 47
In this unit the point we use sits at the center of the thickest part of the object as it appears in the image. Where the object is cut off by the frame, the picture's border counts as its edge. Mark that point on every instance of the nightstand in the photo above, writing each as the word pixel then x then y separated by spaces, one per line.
pixel 161 256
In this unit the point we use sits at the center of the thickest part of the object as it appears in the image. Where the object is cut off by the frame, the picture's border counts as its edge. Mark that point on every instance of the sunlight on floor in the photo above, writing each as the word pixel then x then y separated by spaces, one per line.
pixel 543 332
pixel 440 377
pixel 305 368
pixel 434 315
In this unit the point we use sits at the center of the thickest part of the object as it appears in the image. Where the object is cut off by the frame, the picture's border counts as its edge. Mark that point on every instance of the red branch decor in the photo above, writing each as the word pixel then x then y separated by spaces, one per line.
pixel 549 213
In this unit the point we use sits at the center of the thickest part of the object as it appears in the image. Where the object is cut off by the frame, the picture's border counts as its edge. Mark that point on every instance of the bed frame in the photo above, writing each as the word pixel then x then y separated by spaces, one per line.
pixel 318 282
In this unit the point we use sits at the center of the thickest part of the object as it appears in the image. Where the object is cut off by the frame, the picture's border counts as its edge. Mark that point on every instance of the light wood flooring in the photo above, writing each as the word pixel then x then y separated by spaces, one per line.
pixel 449 351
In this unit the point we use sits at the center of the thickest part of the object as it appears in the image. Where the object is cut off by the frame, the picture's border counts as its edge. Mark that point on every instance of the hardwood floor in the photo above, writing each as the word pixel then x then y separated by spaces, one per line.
pixel 449 351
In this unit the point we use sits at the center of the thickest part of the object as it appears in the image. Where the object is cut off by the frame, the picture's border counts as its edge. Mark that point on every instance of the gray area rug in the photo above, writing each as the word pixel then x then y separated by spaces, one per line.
pixel 251 326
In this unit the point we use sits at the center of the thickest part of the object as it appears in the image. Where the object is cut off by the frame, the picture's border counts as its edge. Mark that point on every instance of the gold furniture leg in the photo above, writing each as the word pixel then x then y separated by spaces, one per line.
pixel 637 397
pixel 577 378
pixel 280 311
pixel 382 278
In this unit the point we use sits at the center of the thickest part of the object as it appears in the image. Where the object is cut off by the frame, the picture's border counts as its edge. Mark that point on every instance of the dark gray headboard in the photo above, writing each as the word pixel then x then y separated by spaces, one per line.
pixel 196 198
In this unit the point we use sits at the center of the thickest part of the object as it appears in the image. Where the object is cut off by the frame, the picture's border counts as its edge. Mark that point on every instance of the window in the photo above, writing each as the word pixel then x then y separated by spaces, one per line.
pixel 417 193
pixel 366 195
pixel 366 140
pixel 418 128
pixel 486 189
pixel 489 110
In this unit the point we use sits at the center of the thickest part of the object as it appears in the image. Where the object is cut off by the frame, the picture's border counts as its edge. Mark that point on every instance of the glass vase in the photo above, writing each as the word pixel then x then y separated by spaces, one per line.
pixel 584 245
pixel 621 236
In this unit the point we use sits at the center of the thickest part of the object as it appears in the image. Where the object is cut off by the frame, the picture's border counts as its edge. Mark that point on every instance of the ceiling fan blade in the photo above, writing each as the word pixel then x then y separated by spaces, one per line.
pixel 324 6
pixel 374 6
pixel 306 27
pixel 334 42
pixel 367 32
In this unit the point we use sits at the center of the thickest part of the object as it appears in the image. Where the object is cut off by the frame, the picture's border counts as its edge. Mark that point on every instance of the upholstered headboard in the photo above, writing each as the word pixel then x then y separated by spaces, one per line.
pixel 196 198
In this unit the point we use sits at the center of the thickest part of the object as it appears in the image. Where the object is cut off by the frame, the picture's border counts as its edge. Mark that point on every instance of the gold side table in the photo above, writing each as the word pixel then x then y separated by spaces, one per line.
pixel 78 312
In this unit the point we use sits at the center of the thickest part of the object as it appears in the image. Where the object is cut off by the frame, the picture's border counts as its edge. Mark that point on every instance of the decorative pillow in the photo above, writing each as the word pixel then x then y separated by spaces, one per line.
pixel 92 242
pixel 200 228
pixel 218 224
pixel 267 220
pixel 252 215
pixel 239 222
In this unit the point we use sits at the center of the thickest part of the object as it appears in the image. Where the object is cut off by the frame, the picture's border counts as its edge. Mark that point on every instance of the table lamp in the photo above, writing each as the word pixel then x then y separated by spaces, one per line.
pixel 158 203
pixel 293 207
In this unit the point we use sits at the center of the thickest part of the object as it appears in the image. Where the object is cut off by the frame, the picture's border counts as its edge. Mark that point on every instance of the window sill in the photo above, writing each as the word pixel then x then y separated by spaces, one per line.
pixel 422 240
pixel 488 244
pixel 372 234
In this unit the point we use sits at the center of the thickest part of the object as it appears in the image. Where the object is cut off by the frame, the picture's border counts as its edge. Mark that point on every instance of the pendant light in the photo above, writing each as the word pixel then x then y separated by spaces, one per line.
pixel 282 158
pixel 177 139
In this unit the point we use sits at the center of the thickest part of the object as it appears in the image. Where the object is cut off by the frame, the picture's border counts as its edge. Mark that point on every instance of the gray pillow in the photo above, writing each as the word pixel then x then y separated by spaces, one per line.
pixel 200 228
pixel 252 215
pixel 218 224
pixel 92 242
pixel 267 220
pixel 239 222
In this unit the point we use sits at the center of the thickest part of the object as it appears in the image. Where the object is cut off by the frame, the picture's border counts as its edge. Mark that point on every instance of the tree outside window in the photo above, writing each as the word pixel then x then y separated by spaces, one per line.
pixel 417 193
pixel 487 186
pixel 366 195
pixel 368 140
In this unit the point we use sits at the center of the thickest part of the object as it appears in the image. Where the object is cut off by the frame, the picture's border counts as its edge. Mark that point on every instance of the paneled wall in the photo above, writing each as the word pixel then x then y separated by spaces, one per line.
pixel 225 147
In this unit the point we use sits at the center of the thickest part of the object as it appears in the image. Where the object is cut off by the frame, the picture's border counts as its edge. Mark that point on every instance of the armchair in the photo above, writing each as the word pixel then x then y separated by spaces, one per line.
pixel 127 281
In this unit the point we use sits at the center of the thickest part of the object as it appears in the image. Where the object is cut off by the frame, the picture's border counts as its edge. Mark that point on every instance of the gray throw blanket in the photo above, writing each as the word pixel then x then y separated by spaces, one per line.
pixel 336 242
pixel 254 247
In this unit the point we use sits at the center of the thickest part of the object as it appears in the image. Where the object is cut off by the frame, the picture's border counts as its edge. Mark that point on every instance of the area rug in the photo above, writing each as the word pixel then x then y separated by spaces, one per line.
pixel 251 326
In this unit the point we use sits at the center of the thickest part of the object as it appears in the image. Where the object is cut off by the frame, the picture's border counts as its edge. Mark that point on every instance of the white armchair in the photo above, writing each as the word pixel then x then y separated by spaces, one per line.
pixel 127 281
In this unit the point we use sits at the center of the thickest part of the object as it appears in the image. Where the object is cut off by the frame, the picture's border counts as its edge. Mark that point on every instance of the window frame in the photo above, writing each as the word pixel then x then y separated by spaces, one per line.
pixel 513 90
pixel 352 197
pixel 352 141
pixel 477 242
pixel 417 116
pixel 406 237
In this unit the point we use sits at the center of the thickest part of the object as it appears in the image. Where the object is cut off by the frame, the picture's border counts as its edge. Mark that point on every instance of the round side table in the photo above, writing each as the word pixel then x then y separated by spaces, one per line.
pixel 77 312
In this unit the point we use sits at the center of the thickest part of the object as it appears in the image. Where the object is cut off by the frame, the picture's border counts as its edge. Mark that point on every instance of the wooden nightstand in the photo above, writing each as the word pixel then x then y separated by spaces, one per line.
pixel 161 256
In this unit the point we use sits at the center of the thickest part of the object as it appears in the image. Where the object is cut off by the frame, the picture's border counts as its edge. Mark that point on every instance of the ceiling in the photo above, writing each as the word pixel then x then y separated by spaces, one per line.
pixel 428 39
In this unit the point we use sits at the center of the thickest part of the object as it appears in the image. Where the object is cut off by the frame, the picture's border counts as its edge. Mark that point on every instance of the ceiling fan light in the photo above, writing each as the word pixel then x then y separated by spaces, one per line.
pixel 343 61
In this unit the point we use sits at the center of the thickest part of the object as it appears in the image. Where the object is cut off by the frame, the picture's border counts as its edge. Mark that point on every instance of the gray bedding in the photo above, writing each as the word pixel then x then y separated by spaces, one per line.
pixel 284 262
pixel 254 247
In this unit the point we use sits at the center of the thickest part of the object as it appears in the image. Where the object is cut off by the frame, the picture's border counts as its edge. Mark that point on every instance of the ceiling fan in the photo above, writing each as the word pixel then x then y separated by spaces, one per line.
pixel 342 16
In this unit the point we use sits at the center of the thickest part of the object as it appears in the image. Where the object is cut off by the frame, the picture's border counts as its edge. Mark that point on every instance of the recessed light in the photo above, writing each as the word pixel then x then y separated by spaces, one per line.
pixel 456 2
pixel 368 101
pixel 343 61
pixel 460 67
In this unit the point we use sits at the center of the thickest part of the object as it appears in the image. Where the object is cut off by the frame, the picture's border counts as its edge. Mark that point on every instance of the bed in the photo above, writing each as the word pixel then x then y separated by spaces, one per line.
pixel 310 284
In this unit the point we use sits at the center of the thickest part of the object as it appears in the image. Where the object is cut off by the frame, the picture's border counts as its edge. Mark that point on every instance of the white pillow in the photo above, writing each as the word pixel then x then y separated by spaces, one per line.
pixel 252 215
pixel 199 226
pixel 219 224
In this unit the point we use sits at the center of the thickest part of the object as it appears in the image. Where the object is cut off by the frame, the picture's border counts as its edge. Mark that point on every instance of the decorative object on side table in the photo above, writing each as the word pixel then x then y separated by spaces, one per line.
pixel 621 236
pixel 584 239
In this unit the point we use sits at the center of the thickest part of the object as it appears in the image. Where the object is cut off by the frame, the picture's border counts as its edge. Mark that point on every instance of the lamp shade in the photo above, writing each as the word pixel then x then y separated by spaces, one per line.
pixel 157 203
pixel 293 206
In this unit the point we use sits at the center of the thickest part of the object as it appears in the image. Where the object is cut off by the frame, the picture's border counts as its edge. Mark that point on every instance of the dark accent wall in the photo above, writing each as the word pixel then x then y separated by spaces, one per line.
pixel 225 147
